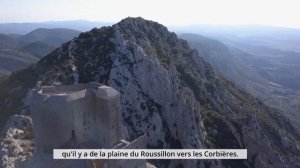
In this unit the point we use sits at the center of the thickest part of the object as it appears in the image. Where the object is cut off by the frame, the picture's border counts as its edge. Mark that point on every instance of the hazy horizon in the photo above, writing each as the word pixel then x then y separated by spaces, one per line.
pixel 282 13
pixel 114 22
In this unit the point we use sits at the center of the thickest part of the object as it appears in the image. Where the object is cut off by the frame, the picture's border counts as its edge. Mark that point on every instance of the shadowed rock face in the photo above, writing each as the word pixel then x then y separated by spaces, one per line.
pixel 170 93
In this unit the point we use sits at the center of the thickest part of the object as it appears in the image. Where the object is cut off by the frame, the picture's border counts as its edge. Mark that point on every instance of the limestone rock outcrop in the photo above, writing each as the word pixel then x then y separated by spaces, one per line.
pixel 17 141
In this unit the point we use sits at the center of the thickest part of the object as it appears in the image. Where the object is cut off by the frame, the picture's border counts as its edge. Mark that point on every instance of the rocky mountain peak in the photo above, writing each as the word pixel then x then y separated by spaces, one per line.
pixel 140 25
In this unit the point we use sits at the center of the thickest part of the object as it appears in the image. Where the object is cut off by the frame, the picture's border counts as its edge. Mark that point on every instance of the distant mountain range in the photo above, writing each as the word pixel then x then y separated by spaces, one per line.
pixel 287 39
pixel 24 28
pixel 55 36
pixel 19 51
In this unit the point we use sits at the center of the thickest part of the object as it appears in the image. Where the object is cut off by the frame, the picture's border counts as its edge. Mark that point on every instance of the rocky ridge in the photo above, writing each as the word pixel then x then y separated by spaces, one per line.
pixel 168 92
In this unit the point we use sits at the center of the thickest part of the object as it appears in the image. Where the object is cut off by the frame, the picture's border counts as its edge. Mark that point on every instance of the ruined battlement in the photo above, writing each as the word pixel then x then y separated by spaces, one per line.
pixel 85 115
pixel 80 116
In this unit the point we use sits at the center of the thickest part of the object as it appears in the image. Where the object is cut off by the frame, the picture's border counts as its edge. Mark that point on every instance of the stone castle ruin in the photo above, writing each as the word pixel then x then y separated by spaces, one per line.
pixel 85 116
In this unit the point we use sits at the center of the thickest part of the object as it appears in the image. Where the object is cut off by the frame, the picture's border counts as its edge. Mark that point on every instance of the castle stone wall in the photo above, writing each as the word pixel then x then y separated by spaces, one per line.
pixel 78 116
pixel 83 114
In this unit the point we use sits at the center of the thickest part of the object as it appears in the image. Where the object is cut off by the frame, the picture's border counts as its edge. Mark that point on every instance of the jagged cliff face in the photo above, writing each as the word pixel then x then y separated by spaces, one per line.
pixel 167 92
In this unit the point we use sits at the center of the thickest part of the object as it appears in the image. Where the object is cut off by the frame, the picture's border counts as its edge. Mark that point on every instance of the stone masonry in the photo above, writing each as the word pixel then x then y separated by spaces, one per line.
pixel 78 116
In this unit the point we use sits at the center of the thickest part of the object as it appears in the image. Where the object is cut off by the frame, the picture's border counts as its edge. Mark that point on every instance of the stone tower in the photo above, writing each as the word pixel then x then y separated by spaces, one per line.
pixel 84 114
pixel 79 116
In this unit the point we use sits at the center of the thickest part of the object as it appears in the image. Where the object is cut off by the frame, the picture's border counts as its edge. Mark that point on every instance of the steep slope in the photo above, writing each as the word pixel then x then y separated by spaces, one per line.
pixel 167 91
pixel 54 37
pixel 269 74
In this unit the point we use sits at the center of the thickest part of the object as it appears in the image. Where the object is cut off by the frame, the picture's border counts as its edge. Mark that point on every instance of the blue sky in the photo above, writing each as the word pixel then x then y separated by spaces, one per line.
pixel 170 12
